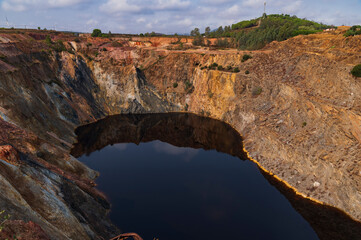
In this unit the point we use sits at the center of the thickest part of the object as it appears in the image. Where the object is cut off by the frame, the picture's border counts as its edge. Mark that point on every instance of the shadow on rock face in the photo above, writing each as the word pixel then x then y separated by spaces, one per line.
pixel 189 130
pixel 181 130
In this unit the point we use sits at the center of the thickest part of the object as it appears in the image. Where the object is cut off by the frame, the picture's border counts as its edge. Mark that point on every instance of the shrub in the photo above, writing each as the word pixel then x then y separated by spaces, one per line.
pixel 175 85
pixel 213 66
pixel 104 50
pixel 198 41
pixel 116 44
pixel 48 40
pixel 96 33
pixel 209 93
pixel 356 71
pixel 229 68
pixel 256 91
pixel 246 72
pixel 354 30
pixel 236 70
pixel 59 46
pixel 246 57
pixel 188 87
pixel 304 124
pixel 3 218
pixel 220 68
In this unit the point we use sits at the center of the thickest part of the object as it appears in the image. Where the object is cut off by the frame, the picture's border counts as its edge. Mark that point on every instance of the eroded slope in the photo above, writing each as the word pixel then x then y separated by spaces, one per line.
pixel 298 109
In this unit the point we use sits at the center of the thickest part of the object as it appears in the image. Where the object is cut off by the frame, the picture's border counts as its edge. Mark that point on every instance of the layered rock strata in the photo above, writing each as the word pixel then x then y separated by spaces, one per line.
pixel 295 103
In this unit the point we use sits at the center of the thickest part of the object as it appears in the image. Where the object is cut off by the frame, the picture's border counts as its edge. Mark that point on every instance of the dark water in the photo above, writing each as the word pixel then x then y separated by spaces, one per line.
pixel 159 190
pixel 163 184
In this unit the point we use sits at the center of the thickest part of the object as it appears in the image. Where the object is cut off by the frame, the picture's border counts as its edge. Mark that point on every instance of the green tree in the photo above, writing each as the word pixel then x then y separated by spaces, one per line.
pixel 220 31
pixel 195 32
pixel 96 33
pixel 207 31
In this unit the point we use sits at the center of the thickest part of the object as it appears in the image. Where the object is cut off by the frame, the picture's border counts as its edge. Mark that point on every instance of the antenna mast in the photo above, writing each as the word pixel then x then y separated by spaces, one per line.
pixel 265 7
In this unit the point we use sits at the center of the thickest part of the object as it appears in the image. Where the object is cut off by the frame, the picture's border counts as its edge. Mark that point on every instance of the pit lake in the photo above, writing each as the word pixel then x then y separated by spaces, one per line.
pixel 180 176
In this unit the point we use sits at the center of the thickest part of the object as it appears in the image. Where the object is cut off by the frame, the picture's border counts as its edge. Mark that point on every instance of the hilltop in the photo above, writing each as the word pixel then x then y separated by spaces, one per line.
pixel 256 33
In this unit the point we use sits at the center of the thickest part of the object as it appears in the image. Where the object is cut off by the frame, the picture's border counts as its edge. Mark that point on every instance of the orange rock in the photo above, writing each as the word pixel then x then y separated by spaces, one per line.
pixel 9 154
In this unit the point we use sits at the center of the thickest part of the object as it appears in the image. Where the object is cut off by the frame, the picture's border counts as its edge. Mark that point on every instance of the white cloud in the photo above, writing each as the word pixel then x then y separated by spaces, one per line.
pixel 127 6
pixel 149 25
pixel 170 5
pixel 292 7
pixel 22 5
pixel 232 11
pixel 114 6
pixel 185 22
pixel 217 2
pixel 92 22
pixel 12 7
pixel 140 20
pixel 254 3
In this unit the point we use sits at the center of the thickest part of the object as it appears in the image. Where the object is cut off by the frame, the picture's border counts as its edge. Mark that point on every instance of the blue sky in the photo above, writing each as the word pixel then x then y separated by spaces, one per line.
pixel 166 16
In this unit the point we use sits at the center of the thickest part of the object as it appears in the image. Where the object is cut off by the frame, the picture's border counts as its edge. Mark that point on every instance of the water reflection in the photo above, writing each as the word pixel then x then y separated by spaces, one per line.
pixel 186 130
pixel 188 153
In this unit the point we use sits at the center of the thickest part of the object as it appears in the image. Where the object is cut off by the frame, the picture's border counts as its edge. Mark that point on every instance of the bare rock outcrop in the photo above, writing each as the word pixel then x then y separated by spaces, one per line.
pixel 295 103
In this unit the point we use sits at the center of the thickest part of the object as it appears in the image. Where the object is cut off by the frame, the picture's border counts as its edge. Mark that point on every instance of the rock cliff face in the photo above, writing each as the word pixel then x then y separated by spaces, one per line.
pixel 298 109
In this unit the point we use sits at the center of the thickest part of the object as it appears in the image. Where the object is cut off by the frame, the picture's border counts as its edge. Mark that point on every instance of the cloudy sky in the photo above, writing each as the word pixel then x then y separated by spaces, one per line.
pixel 165 16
